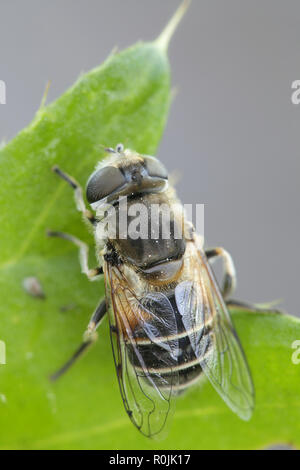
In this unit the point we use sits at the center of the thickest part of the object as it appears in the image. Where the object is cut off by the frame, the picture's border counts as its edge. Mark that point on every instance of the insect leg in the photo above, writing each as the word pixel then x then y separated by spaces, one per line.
pixel 89 338
pixel 83 254
pixel 88 215
pixel 253 308
pixel 95 320
pixel 229 282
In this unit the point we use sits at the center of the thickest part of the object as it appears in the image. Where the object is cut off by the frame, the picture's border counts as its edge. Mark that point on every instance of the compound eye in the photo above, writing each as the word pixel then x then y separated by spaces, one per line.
pixel 104 182
pixel 155 168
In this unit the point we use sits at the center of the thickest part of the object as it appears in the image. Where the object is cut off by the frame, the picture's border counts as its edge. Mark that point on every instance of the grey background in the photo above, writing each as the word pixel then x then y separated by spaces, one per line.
pixel 233 132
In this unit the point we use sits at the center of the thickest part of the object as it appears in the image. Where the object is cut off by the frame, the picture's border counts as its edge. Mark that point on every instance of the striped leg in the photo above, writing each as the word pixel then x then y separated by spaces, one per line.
pixel 269 307
pixel 88 215
pixel 89 338
pixel 92 274
pixel 229 282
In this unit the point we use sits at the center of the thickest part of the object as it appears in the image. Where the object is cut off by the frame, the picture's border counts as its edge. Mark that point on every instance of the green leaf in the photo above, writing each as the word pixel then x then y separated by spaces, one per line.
pixel 124 100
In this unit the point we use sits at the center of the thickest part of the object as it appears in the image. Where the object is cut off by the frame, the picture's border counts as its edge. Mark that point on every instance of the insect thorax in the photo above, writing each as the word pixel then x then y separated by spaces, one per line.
pixel 147 232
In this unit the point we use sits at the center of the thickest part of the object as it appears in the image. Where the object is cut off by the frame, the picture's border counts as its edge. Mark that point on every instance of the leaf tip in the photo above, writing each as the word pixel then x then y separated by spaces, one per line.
pixel 164 38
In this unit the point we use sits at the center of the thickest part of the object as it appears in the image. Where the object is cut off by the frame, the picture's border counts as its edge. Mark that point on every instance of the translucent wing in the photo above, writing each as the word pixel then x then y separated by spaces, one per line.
pixel 213 336
pixel 145 352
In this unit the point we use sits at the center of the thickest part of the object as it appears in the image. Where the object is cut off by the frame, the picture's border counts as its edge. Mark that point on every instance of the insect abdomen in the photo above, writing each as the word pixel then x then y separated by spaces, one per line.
pixel 170 360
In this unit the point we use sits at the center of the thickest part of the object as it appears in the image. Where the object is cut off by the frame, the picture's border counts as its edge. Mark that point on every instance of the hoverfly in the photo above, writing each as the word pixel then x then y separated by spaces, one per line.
pixel 168 318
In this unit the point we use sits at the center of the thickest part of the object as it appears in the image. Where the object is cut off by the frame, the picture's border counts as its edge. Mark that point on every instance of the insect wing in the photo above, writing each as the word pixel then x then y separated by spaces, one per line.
pixel 213 337
pixel 145 352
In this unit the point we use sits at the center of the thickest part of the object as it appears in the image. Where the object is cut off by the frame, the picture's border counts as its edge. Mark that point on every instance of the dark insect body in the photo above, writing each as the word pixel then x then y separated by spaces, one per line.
pixel 169 323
